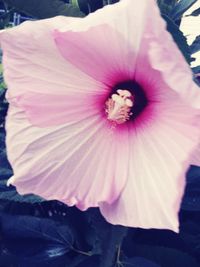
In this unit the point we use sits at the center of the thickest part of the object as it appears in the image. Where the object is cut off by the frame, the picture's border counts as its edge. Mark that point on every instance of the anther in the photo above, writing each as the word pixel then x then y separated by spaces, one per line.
pixel 118 107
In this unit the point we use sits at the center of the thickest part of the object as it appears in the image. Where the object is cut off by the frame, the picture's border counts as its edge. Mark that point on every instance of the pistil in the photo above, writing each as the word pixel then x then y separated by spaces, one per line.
pixel 118 106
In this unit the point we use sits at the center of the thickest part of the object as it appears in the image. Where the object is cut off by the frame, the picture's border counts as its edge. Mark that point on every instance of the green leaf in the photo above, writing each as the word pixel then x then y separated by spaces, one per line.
pixel 14 196
pixel 180 8
pixel 191 199
pixel 11 195
pixel 42 9
pixel 104 238
pixel 164 256
pixel 179 38
pixel 196 69
pixel 166 6
pixel 138 261
pixel 195 46
pixel 89 262
pixel 5 19
pixel 34 227
pixel 35 239
pixel 88 6
pixel 195 12
pixel 5 173
pixel 75 3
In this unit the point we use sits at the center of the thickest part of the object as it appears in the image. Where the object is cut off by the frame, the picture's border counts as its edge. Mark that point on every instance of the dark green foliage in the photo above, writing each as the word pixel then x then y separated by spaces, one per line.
pixel 196 69
pixel 10 194
pixel 6 172
pixel 3 105
pixel 191 200
pixel 32 239
pixel 5 18
pixel 195 47
pixel 137 261
pixel 89 261
pixel 41 9
pixel 5 168
pixel 37 228
pixel 195 12
pixel 165 257
pixel 166 6
pixel 171 12
pixel 179 38
pixel 180 8
pixel 72 240
pixel 88 6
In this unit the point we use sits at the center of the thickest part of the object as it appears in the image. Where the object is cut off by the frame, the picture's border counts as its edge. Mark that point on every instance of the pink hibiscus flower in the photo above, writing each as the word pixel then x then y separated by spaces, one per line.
pixel 103 113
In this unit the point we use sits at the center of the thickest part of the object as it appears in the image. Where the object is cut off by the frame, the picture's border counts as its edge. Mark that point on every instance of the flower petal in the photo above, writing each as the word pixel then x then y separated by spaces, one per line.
pixel 40 81
pixel 138 34
pixel 165 57
pixel 195 160
pixel 74 163
pixel 45 110
pixel 158 163
pixel 102 45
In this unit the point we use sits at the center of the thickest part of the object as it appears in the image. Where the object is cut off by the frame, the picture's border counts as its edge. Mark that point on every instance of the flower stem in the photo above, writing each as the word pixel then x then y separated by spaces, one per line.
pixel 110 246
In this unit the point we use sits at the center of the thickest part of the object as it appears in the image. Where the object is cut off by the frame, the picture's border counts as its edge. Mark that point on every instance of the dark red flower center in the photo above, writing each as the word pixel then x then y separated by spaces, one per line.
pixel 126 102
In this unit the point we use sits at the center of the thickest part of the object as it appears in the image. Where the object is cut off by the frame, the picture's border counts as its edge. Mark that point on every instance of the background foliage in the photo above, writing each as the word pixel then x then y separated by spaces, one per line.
pixel 35 232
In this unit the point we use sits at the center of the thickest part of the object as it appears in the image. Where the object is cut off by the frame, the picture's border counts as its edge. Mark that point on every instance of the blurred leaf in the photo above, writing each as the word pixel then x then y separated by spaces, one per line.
pixel 41 9
pixel 3 105
pixel 2 93
pixel 92 261
pixel 10 194
pixel 88 6
pixel 3 186
pixel 105 238
pixel 139 262
pixel 179 38
pixel 195 46
pixel 191 199
pixel 153 237
pixel 191 202
pixel 3 110
pixel 2 139
pixel 5 173
pixel 33 238
pixel 196 69
pixel 180 8
pixel 5 18
pixel 166 6
pixel 190 234
pixel 113 1
pixel 165 257
pixel 33 227
pixel 99 229
pixel 195 12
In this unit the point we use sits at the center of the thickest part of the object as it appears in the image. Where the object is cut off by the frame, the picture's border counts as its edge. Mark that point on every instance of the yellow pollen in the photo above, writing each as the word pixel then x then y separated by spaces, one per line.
pixel 118 107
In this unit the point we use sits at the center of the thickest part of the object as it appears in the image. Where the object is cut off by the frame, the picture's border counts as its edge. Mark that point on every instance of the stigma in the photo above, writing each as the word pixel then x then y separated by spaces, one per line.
pixel 118 106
